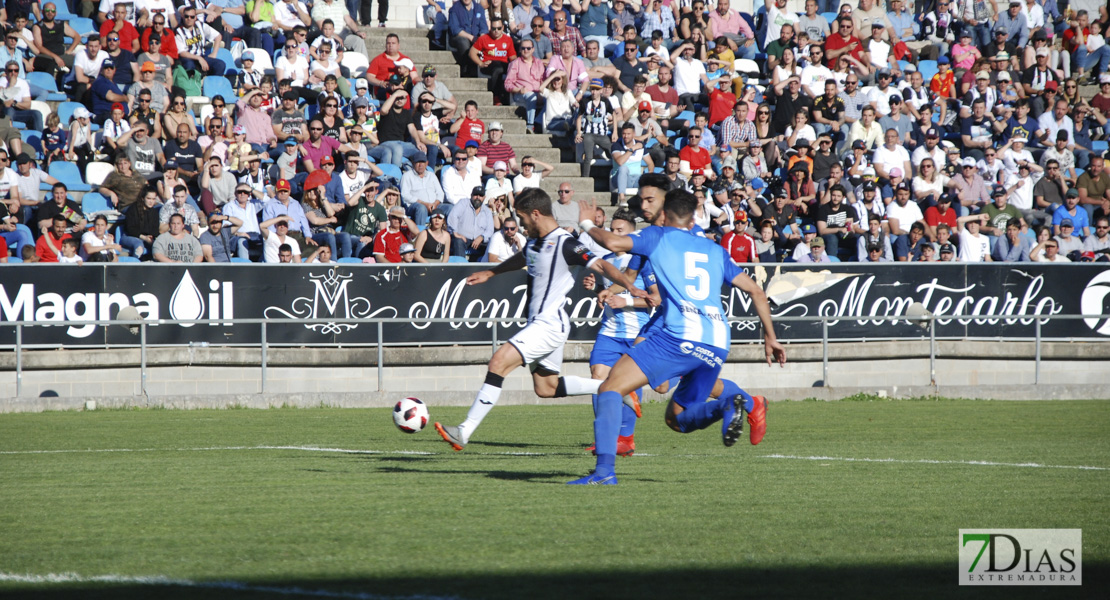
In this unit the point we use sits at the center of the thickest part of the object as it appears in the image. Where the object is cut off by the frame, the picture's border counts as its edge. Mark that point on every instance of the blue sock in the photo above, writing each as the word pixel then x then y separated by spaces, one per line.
pixel 702 415
pixel 594 399
pixel 731 389
pixel 628 417
pixel 607 425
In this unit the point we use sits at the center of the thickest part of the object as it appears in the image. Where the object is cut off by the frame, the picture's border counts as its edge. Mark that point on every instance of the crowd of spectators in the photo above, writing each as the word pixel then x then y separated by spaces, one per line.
pixel 910 131
pixel 857 131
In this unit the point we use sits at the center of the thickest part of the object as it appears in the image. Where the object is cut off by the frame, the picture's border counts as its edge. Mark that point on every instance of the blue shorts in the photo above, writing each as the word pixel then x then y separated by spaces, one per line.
pixel 608 350
pixel 663 356
pixel 654 323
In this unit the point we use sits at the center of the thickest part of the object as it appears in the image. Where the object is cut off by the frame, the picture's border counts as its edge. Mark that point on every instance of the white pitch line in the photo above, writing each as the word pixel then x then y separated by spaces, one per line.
pixel 160 580
pixel 925 461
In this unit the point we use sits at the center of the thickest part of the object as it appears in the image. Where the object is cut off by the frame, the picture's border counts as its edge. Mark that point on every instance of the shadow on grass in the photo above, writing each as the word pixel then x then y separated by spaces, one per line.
pixel 883 581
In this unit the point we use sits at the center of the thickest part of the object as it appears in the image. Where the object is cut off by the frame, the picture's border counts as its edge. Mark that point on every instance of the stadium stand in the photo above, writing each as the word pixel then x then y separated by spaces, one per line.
pixel 793 137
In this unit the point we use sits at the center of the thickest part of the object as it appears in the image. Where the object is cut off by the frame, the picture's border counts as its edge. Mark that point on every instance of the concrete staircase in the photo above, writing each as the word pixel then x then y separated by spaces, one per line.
pixel 555 152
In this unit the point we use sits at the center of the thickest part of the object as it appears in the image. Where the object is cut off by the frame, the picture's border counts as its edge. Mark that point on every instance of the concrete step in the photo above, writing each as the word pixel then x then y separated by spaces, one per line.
pixel 578 184
pixel 524 140
pixel 460 84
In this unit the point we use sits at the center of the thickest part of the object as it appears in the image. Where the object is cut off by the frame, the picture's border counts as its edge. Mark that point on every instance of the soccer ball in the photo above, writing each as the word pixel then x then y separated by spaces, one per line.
pixel 410 415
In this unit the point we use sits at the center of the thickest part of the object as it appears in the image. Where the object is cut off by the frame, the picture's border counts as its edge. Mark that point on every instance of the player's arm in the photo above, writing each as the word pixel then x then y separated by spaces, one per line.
pixel 513 263
pixel 617 276
pixel 608 239
pixel 771 345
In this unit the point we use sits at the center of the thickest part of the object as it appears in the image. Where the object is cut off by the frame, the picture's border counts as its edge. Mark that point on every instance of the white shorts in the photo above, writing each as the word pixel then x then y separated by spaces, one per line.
pixel 541 344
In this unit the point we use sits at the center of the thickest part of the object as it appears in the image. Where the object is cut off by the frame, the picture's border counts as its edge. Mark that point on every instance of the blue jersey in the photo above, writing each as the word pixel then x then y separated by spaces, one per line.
pixel 626 322
pixel 690 272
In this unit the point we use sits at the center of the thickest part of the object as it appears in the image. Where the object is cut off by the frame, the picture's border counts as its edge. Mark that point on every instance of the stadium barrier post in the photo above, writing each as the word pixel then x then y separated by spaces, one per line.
pixel 495 336
pixel 381 370
pixel 1037 355
pixel 18 361
pixel 932 350
pixel 263 374
pixel 825 351
pixel 142 359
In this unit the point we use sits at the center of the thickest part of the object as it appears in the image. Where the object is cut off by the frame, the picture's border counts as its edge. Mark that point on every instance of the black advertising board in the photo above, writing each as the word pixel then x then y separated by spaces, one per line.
pixel 168 296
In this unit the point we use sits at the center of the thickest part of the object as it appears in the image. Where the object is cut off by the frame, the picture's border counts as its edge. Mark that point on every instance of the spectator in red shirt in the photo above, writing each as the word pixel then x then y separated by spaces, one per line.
pixel 721 101
pixel 492 52
pixel 128 35
pixel 941 213
pixel 843 42
pixel 166 39
pixel 400 231
pixel 385 64
pixel 496 150
pixel 740 245
pixel 470 127
pixel 695 157
pixel 49 246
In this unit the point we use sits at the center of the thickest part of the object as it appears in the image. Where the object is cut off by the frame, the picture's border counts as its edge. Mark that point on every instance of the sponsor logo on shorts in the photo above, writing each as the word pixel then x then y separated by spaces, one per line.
pixel 705 355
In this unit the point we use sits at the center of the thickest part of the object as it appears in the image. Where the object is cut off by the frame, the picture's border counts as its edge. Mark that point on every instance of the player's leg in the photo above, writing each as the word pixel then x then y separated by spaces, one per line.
pixel 754 406
pixel 507 358
pixel 625 377
pixel 546 378
pixel 605 353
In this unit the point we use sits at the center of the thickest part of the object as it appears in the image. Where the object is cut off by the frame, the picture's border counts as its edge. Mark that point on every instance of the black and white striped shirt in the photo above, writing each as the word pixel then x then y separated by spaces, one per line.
pixel 549 261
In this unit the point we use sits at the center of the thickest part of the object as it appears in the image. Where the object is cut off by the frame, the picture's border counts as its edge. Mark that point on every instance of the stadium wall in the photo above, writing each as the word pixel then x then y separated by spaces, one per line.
pixel 227 377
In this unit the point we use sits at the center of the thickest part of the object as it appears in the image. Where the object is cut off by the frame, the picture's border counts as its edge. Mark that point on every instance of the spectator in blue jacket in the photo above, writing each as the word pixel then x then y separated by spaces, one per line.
pixel 466 22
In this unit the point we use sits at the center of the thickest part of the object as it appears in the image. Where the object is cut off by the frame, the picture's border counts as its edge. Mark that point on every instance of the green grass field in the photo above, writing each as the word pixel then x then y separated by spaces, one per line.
pixel 198 501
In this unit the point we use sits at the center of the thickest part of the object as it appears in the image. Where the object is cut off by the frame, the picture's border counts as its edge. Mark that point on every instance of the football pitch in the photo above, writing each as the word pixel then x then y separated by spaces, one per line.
pixel 855 499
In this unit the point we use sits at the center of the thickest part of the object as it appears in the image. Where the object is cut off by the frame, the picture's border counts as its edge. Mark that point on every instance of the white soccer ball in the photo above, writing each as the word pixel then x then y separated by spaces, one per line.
pixel 410 415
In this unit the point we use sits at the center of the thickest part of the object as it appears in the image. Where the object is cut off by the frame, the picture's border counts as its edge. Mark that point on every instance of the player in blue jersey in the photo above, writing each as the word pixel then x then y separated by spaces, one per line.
pixel 653 189
pixel 549 256
pixel 692 338
pixel 622 319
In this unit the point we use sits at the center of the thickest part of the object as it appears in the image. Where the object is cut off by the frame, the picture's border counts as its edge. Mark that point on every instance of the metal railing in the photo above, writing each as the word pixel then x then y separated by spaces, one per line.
pixel 926 321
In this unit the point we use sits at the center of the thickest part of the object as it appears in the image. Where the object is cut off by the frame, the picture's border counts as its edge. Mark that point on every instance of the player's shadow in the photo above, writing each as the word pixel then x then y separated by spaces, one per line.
pixel 530 476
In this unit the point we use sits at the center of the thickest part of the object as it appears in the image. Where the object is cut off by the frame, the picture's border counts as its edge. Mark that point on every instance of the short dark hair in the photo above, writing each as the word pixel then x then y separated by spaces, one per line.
pixel 623 214
pixel 680 204
pixel 534 199
pixel 178 216
pixel 655 180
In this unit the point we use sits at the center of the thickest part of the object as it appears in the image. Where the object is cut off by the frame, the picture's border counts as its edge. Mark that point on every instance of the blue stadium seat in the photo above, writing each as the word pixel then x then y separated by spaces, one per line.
pixel 69 174
pixel 45 82
pixel 63 12
pixel 129 259
pixel 94 202
pixel 14 259
pixel 32 139
pixel 391 171
pixel 219 86
pixel 225 55
pixel 65 111
pixel 236 259
pixel 351 260
pixel 830 17
pixel 81 25
pixel 927 68
pixel 457 259
pixel 1100 146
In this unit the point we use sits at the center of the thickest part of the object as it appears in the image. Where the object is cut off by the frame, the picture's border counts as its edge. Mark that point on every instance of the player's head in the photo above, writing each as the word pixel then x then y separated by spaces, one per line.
pixel 653 188
pixel 679 207
pixel 532 204
pixel 624 222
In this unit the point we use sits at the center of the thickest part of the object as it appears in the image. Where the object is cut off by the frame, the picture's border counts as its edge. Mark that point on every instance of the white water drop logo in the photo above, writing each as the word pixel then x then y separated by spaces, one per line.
pixel 187 303
pixel 1093 302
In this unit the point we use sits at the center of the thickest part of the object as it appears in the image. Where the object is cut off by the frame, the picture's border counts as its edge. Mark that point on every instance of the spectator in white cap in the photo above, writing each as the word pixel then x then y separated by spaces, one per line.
pixel 1014 154
pixel 970 188
pixel 408 253
pixel 499 193
pixel 1065 159
pixel 494 150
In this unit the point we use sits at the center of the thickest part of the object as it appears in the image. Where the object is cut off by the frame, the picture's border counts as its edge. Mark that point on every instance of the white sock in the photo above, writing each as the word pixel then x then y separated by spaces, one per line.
pixel 483 403
pixel 581 386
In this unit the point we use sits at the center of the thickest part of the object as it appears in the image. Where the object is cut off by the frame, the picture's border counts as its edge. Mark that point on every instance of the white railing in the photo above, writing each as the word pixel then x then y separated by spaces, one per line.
pixel 926 321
